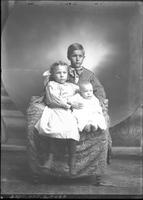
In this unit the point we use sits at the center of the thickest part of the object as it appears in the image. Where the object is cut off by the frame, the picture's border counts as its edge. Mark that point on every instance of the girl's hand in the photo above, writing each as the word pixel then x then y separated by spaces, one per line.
pixel 77 105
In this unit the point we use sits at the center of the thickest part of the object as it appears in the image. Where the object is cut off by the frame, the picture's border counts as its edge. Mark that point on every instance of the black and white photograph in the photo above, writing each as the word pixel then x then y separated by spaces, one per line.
pixel 71 99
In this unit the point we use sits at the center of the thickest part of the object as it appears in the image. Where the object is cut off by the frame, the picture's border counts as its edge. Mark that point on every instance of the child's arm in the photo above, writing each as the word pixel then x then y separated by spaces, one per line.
pixel 75 101
pixel 99 92
pixel 53 97
pixel 98 89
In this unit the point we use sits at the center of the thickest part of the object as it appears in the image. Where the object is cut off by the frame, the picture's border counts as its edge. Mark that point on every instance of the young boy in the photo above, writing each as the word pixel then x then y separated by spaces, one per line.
pixel 78 74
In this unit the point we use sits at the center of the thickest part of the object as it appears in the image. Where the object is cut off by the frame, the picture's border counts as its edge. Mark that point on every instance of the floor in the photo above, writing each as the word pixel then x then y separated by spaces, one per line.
pixel 124 172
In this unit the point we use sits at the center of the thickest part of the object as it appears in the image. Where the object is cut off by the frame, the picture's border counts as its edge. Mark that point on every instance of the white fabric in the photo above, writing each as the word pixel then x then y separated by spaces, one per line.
pixel 91 113
pixel 57 94
pixel 58 122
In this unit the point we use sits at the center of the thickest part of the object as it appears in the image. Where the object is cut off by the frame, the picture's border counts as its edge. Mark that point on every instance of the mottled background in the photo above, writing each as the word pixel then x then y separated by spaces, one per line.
pixel 35 36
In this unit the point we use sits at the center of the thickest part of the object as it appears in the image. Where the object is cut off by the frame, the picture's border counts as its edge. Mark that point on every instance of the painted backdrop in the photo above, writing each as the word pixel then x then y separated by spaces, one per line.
pixel 35 36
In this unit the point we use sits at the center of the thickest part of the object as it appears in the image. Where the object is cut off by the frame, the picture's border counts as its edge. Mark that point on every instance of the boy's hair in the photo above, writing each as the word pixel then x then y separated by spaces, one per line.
pixel 54 65
pixel 73 47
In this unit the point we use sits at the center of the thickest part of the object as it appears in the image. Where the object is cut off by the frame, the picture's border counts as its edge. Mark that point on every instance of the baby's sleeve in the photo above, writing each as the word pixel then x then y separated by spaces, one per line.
pixel 96 105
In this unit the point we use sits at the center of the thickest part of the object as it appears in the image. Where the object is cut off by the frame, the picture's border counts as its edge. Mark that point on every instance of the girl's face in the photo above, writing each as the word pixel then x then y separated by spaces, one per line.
pixel 60 74
pixel 77 58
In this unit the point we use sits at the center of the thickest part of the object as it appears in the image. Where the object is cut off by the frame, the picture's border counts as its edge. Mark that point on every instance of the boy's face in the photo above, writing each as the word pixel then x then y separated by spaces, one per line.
pixel 61 74
pixel 86 91
pixel 77 58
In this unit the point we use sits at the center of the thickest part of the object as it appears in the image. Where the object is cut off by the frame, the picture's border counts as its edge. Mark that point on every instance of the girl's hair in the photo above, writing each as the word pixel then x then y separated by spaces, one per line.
pixel 53 67
pixel 75 46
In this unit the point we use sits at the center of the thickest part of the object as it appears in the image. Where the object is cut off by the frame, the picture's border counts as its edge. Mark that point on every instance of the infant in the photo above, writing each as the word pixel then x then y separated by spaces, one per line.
pixel 90 117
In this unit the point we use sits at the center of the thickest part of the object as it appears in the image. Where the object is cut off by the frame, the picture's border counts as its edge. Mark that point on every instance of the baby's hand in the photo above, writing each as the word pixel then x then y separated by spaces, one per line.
pixel 77 105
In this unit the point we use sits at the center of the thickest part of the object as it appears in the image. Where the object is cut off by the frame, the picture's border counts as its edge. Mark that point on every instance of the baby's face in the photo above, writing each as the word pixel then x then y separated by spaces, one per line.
pixel 86 91
pixel 61 74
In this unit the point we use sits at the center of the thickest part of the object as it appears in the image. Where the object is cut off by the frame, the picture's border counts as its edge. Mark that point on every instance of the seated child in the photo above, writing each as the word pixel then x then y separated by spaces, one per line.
pixel 57 120
pixel 90 117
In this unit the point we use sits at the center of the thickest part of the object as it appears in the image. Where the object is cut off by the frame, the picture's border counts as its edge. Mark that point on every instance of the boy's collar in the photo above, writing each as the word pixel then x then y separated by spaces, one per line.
pixel 77 70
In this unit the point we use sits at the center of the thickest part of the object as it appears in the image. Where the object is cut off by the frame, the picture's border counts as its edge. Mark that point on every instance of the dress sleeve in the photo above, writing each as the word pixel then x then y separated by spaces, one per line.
pixel 53 97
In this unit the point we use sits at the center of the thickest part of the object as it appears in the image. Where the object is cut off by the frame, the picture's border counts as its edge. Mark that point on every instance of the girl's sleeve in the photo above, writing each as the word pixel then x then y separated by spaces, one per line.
pixel 53 97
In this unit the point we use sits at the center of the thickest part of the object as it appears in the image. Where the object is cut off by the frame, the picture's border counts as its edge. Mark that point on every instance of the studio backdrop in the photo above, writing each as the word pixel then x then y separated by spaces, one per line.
pixel 36 35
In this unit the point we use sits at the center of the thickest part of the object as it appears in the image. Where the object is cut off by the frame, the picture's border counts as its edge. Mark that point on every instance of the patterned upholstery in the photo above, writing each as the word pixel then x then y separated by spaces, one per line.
pixel 91 153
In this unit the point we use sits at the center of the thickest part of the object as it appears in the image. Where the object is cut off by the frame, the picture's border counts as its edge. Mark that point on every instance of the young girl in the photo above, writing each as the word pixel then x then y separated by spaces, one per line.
pixel 57 120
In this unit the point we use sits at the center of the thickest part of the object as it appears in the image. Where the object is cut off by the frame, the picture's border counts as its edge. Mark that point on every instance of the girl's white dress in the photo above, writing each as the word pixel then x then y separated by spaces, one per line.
pixel 58 122
pixel 91 113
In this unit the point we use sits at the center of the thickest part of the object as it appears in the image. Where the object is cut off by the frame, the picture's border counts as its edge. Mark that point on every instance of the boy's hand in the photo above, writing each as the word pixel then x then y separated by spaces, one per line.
pixel 105 102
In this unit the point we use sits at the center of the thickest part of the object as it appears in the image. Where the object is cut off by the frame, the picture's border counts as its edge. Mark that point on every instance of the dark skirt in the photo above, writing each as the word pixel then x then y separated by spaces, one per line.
pixel 91 150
